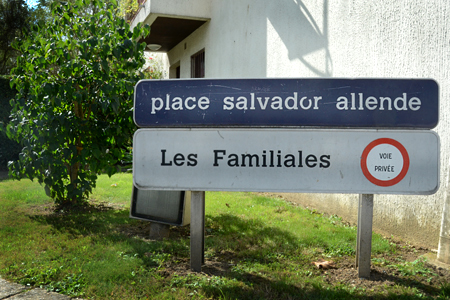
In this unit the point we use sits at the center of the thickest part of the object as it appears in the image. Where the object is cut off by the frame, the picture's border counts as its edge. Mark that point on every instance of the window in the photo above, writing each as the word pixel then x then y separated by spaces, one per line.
pixel 175 70
pixel 198 64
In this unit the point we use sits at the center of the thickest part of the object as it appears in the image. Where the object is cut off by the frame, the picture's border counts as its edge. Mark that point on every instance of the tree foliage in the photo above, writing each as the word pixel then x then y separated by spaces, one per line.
pixel 73 113
pixel 125 9
pixel 14 16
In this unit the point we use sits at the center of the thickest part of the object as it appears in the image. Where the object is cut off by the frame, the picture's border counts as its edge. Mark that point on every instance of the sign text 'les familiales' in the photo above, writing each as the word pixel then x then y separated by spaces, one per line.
pixel 287 160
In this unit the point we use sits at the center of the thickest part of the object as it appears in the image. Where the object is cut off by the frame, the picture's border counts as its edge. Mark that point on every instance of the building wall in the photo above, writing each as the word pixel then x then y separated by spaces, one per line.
pixel 350 39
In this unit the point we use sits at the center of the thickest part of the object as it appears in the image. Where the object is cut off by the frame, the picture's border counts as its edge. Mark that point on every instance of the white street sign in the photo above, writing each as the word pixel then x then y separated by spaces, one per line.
pixel 287 160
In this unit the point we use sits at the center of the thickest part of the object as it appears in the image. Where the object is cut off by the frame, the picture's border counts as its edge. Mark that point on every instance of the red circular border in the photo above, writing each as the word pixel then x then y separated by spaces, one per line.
pixel 390 182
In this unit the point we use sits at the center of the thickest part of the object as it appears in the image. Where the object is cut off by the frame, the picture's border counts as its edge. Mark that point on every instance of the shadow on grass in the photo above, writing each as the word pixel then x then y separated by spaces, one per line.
pixel 230 242
pixel 255 242
pixel 3 175
pixel 93 220
pixel 250 239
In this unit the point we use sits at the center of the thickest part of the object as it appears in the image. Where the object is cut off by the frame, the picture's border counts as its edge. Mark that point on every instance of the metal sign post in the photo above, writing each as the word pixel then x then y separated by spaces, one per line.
pixel 364 235
pixel 197 231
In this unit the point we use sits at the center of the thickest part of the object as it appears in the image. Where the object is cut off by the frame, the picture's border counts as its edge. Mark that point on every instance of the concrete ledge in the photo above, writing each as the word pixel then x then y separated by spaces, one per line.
pixel 184 9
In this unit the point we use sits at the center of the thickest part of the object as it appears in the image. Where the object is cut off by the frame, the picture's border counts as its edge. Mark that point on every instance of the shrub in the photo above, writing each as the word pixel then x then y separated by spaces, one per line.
pixel 74 108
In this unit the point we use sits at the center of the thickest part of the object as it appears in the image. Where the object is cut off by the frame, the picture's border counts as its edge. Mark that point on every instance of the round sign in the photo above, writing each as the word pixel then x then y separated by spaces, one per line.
pixel 385 162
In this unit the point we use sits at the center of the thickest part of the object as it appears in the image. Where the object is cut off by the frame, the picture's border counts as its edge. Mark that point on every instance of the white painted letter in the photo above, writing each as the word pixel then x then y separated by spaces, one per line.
pixel 414 103
pixel 167 102
pixel 203 103
pixel 177 103
pixel 241 103
pixel 154 107
pixel 252 101
pixel 403 99
pixel 186 103
pixel 262 104
pixel 316 101
pixel 277 103
pixel 293 100
pixel 371 103
pixel 354 100
pixel 382 99
pixel 228 103
pixel 305 107
pixel 342 103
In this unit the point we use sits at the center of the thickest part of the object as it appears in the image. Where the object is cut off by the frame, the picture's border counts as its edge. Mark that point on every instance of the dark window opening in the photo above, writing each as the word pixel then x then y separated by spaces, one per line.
pixel 198 65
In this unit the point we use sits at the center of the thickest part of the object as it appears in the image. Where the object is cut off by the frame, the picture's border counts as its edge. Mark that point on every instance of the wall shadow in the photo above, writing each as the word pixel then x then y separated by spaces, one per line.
pixel 301 34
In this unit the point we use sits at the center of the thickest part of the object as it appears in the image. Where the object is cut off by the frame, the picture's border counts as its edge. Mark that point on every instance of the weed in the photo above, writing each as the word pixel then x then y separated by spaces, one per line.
pixel 280 209
pixel 52 279
pixel 335 220
pixel 38 277
pixel 413 268
pixel 339 250
pixel 71 285
pixel 158 259
pixel 380 261
pixel 445 291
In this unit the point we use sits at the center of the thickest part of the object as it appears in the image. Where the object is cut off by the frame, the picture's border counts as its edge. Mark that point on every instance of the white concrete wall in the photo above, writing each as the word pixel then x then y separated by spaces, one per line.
pixel 235 41
pixel 328 38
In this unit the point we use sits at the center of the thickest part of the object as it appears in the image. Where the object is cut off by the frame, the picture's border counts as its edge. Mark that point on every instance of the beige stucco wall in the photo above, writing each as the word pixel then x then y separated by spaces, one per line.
pixel 351 39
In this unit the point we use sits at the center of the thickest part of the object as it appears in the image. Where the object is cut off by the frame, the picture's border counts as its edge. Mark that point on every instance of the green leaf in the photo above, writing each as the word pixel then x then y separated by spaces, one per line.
pixel 117 52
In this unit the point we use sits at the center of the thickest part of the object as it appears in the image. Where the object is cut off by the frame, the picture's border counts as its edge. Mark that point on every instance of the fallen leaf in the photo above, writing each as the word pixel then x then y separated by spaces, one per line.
pixel 324 264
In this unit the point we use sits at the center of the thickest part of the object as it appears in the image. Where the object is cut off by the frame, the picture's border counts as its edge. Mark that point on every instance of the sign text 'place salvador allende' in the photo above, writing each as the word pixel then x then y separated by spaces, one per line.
pixel 356 103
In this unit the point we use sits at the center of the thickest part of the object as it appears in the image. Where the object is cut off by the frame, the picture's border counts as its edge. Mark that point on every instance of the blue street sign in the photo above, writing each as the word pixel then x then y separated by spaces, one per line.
pixel 342 103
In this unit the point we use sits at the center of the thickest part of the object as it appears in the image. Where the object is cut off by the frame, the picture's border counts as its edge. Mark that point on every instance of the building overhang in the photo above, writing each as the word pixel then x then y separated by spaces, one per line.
pixel 171 21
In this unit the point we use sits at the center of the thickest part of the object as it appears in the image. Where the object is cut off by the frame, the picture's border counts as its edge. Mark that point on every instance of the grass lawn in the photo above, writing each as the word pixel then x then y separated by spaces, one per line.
pixel 256 247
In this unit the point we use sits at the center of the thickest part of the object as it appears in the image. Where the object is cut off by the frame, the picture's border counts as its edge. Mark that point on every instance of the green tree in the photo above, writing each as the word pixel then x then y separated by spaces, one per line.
pixel 14 16
pixel 73 113
pixel 125 9
pixel 40 12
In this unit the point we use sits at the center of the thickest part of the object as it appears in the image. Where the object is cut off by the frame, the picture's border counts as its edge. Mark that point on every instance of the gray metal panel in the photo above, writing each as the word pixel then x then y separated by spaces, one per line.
pixel 165 207
pixel 161 204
